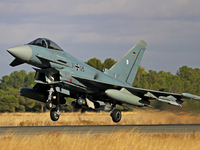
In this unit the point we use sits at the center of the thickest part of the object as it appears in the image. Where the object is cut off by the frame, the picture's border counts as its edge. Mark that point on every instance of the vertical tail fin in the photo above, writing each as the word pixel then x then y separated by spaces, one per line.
pixel 126 68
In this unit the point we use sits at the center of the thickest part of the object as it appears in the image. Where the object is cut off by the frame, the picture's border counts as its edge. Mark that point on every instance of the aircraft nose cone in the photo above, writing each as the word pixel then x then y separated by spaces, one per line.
pixel 23 52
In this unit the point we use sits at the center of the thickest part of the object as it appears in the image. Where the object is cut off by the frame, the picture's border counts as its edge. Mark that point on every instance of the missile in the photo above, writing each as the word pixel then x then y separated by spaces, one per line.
pixel 170 100
pixel 191 96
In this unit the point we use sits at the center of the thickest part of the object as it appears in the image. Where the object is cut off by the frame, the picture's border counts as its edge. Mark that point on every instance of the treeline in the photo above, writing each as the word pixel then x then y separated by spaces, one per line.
pixel 185 80
pixel 10 99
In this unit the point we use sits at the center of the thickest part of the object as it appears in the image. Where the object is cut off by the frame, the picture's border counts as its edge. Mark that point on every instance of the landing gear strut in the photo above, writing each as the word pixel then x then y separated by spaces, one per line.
pixel 115 114
pixel 49 104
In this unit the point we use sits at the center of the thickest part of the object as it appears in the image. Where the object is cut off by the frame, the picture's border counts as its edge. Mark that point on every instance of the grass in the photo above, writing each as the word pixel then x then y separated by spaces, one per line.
pixel 139 116
pixel 113 141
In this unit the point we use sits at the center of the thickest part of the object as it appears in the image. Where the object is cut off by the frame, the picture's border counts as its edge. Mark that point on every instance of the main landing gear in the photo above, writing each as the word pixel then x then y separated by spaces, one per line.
pixel 115 114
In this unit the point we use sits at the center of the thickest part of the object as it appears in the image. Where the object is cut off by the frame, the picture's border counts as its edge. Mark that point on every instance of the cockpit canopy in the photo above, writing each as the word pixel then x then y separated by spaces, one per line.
pixel 46 43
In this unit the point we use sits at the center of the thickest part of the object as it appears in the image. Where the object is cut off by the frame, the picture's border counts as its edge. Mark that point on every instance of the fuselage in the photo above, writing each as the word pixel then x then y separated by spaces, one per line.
pixel 45 57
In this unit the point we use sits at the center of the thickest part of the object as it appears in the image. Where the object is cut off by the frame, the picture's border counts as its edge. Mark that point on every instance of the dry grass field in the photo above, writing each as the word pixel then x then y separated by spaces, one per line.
pixel 139 116
pixel 114 141
pixel 95 141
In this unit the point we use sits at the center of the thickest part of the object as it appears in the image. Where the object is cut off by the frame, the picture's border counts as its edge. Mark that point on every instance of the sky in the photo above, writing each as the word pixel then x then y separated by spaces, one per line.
pixel 105 29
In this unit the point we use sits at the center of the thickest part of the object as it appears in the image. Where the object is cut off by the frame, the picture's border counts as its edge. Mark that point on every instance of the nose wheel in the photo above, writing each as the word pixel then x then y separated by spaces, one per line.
pixel 54 114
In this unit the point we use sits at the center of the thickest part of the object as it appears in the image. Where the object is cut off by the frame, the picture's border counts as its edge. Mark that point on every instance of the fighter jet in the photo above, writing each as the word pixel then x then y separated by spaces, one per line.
pixel 59 75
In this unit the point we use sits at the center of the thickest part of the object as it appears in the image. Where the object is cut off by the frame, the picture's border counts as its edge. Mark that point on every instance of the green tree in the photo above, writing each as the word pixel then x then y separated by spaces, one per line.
pixel 140 78
pixel 96 63
pixel 8 103
pixel 29 79
pixel 108 63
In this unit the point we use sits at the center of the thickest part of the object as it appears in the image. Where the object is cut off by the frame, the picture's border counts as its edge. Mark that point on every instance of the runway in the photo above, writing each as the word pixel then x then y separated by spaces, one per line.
pixel 99 129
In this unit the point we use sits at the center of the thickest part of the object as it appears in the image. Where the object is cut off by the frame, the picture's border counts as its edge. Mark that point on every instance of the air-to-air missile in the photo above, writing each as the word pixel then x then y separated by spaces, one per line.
pixel 191 96
pixel 170 100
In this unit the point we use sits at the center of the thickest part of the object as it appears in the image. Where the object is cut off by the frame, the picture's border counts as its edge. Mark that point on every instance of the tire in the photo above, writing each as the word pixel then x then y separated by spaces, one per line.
pixel 49 105
pixel 116 115
pixel 54 114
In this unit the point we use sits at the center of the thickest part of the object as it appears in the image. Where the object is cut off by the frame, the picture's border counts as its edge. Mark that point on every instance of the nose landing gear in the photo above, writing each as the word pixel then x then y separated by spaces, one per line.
pixel 54 114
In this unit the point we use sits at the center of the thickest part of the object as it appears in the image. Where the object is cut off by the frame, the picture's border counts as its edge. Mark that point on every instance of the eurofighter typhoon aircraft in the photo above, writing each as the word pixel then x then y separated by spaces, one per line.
pixel 59 75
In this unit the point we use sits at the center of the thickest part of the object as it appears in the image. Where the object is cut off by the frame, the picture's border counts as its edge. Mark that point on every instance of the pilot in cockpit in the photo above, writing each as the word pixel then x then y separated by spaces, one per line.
pixel 48 43
pixel 43 44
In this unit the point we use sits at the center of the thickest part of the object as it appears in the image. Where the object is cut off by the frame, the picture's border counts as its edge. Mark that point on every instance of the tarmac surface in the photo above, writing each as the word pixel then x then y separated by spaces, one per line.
pixel 99 129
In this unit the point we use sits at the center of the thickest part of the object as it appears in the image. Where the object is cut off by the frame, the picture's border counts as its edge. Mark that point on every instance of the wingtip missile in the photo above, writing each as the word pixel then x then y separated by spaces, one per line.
pixel 191 96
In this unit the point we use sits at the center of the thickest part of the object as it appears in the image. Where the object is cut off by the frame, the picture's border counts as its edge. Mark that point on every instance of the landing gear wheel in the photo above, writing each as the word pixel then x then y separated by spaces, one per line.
pixel 49 105
pixel 116 115
pixel 54 114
